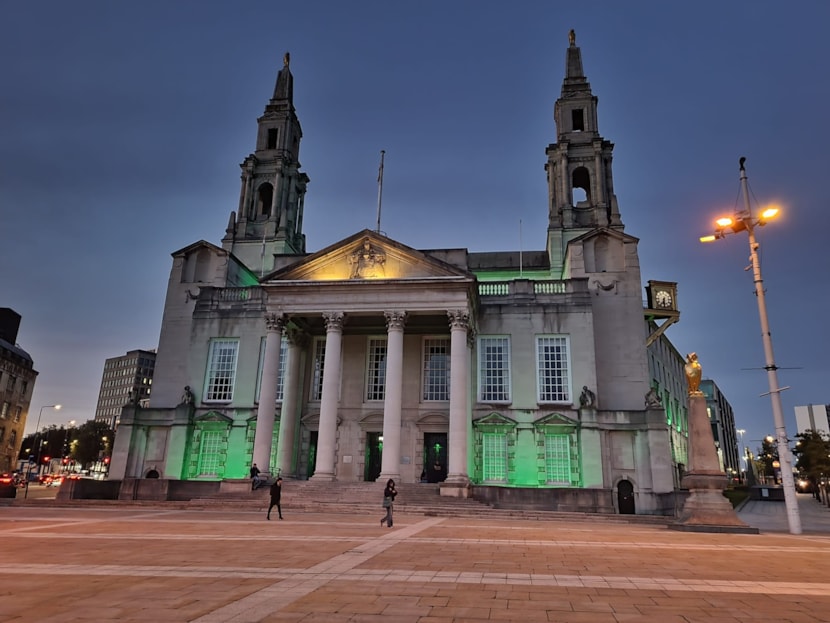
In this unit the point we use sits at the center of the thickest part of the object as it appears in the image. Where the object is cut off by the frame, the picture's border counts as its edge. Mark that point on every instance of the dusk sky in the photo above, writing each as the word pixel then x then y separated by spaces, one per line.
pixel 122 126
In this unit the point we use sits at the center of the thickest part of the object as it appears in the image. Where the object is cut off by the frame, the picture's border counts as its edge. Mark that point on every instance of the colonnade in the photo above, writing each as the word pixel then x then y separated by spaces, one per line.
pixel 325 468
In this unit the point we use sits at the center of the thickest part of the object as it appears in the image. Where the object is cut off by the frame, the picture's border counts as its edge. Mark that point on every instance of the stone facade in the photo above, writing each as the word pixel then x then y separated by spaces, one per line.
pixel 370 360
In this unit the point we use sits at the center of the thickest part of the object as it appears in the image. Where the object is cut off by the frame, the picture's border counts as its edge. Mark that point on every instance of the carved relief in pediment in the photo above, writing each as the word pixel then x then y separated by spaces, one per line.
pixel 368 262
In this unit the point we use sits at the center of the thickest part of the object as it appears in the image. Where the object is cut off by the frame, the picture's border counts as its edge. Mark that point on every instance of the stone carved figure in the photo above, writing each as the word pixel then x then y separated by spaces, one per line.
pixel 572 37
pixel 187 396
pixel 693 374
pixel 587 398
pixel 367 262
pixel 286 59
pixel 653 400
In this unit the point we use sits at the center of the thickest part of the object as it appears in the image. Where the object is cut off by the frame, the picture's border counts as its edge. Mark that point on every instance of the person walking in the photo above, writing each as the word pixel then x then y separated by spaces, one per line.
pixel 276 493
pixel 389 494
pixel 254 477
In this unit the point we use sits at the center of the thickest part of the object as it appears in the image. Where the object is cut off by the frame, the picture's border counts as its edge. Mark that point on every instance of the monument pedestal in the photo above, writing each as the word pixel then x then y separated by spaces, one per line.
pixel 706 509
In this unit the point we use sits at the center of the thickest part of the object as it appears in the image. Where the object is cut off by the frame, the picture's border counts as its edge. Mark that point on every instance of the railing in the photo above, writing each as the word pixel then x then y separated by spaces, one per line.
pixel 508 288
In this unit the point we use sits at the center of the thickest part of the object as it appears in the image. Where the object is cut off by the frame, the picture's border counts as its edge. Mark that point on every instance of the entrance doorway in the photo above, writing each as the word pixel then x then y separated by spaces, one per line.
pixel 312 452
pixel 625 497
pixel 374 454
pixel 435 456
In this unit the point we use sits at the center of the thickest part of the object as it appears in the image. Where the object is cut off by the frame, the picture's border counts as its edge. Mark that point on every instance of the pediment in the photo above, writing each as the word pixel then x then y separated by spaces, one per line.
pixel 213 416
pixel 601 232
pixel 494 419
pixel 367 256
pixel 555 419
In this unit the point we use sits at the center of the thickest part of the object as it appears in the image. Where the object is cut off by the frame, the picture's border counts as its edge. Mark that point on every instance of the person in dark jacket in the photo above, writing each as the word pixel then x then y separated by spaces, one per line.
pixel 389 494
pixel 276 493
pixel 255 479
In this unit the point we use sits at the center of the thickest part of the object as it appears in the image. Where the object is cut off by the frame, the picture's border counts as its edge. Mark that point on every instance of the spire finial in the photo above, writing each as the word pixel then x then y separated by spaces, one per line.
pixel 572 37
pixel 286 59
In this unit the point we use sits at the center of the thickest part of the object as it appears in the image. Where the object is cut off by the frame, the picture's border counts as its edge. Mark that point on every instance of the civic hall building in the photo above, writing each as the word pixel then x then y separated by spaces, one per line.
pixel 496 374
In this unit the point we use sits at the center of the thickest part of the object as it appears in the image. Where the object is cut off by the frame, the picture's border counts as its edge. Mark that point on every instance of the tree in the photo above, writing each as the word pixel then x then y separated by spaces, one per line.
pixel 812 452
pixel 767 456
pixel 91 442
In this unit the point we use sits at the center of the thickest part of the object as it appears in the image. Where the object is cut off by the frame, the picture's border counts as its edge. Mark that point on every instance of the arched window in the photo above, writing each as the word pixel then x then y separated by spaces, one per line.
pixel 265 196
pixel 581 185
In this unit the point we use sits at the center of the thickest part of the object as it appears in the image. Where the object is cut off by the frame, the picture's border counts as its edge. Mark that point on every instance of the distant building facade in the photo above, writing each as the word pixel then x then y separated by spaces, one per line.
pixel 17 381
pixel 126 379
pixel 370 359
pixel 722 419
pixel 813 417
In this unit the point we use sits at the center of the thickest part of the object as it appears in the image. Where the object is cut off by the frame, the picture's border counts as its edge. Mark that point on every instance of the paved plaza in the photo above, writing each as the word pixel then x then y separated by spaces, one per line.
pixel 157 564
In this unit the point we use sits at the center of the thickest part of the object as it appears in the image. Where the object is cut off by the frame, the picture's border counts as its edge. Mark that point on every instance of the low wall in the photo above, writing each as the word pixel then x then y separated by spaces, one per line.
pixel 767 492
pixel 88 489
pixel 565 500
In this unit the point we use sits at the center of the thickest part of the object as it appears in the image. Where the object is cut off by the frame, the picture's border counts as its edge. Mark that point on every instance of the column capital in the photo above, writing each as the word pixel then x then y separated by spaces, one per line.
pixel 274 322
pixel 334 320
pixel 395 320
pixel 459 318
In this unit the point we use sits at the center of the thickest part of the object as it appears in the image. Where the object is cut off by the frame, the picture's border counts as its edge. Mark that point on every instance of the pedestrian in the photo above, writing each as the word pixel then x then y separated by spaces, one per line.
pixel 389 494
pixel 254 477
pixel 276 493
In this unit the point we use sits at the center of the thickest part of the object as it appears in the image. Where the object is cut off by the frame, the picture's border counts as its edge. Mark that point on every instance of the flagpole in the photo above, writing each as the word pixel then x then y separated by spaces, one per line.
pixel 380 185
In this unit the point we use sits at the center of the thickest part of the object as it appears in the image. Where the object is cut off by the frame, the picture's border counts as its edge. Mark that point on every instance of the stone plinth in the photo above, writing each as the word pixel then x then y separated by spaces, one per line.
pixel 706 509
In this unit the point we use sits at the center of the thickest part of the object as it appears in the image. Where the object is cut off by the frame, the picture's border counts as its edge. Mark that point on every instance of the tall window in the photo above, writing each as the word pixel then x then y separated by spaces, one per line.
pixel 283 362
pixel 376 369
pixel 558 459
pixel 494 369
pixel 436 369
pixel 494 457
pixel 12 437
pixel 210 453
pixel 319 363
pixel 221 371
pixel 4 410
pixel 553 368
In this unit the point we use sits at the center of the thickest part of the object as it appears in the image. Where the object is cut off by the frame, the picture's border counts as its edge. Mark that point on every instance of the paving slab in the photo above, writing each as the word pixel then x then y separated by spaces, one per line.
pixel 125 563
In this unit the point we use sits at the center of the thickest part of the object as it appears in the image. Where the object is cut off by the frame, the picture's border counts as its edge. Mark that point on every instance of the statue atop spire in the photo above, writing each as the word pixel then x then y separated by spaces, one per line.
pixel 287 58
pixel 572 37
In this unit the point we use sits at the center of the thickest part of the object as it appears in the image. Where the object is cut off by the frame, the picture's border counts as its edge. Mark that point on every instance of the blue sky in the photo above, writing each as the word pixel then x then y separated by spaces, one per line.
pixel 122 126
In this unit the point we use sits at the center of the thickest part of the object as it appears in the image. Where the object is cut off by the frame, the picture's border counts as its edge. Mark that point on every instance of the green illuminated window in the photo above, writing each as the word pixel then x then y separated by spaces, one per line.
pixel 494 457
pixel 210 453
pixel 558 459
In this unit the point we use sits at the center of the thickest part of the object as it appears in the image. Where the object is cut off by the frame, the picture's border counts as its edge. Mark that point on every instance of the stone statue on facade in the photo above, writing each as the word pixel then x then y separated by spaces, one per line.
pixel 572 37
pixel 367 262
pixel 187 396
pixel 587 398
pixel 693 374
pixel 653 400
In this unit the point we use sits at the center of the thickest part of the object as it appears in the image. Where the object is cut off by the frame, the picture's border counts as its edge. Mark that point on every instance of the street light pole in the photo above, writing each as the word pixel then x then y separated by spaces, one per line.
pixel 790 499
pixel 39 444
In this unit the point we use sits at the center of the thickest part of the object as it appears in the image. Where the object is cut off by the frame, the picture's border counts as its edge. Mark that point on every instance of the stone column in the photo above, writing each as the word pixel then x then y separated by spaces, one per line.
pixel 290 395
pixel 274 324
pixel 459 377
pixel 327 433
pixel 391 459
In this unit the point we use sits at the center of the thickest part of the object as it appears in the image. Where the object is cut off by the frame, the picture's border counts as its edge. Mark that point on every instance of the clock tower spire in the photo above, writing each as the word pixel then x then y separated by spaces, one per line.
pixel 269 220
pixel 580 184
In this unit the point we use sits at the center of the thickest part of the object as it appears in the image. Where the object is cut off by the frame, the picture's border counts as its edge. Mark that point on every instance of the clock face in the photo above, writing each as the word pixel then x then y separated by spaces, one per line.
pixel 662 299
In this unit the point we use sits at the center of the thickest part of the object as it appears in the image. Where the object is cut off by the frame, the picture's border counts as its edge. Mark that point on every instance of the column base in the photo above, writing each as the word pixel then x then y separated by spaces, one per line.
pixel 384 477
pixel 455 487
pixel 706 510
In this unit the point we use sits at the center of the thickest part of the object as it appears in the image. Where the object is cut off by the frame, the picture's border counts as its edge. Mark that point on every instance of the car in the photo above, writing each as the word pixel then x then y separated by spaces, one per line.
pixel 802 485
pixel 8 487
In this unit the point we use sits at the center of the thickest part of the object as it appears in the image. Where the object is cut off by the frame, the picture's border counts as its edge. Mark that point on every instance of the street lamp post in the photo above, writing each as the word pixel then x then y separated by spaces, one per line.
pixel 39 444
pixel 744 221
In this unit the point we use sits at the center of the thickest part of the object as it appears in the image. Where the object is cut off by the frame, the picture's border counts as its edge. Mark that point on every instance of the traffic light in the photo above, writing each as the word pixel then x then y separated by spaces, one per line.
pixel 65 460
pixel 46 459
pixel 106 460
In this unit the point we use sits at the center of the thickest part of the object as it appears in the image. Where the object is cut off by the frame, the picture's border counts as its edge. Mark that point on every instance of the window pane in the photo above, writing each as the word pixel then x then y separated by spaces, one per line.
pixel 319 363
pixel 494 369
pixel 558 458
pixel 209 453
pixel 221 370
pixel 553 369
pixel 436 369
pixel 376 370
pixel 494 456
